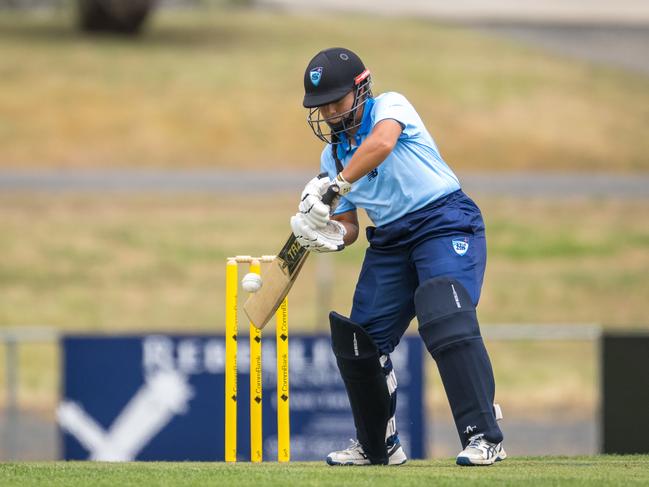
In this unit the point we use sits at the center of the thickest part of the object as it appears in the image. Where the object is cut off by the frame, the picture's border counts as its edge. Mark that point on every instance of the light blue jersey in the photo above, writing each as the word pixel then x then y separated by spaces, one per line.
pixel 412 176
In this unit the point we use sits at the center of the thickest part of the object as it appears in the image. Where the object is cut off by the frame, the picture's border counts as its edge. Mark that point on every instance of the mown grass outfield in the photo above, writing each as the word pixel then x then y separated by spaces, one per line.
pixel 538 471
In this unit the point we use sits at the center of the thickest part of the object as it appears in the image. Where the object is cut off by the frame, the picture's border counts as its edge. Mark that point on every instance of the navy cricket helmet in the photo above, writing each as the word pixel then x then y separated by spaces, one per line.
pixel 329 76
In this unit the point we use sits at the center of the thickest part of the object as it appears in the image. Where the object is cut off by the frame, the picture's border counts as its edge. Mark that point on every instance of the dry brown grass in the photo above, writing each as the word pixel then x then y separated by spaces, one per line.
pixel 223 88
pixel 116 263
pixel 581 261
pixel 535 380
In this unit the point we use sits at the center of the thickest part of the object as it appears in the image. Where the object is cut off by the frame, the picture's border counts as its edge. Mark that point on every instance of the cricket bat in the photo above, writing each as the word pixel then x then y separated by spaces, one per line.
pixel 279 276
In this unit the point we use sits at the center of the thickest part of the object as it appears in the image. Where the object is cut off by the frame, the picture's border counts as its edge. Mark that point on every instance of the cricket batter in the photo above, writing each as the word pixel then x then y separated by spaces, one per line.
pixel 426 258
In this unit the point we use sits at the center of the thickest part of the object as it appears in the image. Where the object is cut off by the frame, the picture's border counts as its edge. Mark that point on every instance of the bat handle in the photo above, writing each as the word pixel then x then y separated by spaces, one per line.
pixel 330 198
pixel 332 194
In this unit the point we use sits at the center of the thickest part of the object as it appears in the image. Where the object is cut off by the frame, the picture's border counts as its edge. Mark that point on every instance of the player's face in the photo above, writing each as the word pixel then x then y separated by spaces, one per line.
pixel 333 112
pixel 344 116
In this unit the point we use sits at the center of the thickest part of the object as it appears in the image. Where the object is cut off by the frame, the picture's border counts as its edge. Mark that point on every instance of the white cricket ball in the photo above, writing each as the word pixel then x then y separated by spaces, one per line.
pixel 251 282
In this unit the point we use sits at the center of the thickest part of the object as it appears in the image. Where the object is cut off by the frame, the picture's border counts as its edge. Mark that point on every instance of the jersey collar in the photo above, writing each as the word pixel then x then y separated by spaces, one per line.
pixel 366 124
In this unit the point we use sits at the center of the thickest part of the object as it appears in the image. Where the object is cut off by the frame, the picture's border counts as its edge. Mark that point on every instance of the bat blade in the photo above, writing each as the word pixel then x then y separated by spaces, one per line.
pixel 280 275
pixel 277 278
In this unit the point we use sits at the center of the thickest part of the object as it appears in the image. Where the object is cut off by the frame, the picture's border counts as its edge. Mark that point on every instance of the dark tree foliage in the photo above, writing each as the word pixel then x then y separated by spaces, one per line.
pixel 114 16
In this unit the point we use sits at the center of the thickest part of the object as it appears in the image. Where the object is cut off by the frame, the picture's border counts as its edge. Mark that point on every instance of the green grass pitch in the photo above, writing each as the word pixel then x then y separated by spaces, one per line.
pixel 528 471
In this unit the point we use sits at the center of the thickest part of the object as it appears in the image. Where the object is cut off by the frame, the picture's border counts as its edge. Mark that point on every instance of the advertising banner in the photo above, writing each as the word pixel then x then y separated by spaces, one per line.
pixel 161 397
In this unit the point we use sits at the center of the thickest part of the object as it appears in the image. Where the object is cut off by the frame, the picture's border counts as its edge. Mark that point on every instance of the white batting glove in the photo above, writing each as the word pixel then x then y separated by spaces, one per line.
pixel 327 239
pixel 316 213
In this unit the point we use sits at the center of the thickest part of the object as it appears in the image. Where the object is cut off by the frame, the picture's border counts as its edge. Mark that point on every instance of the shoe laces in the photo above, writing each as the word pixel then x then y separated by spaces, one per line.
pixel 355 446
pixel 475 441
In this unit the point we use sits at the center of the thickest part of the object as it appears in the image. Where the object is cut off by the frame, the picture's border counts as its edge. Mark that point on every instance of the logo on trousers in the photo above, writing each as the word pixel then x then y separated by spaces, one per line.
pixel 461 246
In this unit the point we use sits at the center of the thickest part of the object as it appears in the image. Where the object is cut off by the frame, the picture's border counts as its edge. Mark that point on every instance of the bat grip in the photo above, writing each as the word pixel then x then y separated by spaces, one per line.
pixel 331 195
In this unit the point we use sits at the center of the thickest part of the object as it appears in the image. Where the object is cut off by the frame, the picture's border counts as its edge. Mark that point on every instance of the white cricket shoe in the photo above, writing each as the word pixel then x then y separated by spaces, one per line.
pixel 354 455
pixel 480 452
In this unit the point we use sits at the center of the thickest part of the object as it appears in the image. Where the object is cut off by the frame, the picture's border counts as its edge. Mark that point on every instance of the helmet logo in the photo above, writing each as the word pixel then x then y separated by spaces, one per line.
pixel 344 56
pixel 315 74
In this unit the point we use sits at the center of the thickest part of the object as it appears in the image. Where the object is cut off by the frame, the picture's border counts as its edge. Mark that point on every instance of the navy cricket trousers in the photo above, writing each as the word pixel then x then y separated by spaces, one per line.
pixel 444 238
